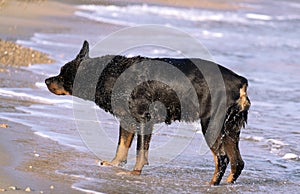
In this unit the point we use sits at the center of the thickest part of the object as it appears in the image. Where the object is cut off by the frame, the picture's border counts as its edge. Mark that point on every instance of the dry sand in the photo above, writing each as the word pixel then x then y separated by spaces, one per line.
pixel 22 18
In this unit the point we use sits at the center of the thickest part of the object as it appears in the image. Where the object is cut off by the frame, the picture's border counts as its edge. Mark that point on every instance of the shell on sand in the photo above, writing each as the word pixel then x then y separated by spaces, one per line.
pixel 28 189
pixel 3 125
pixel 13 188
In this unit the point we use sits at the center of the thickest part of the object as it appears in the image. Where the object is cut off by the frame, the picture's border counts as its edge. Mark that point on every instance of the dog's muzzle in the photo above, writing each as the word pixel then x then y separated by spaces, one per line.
pixel 55 87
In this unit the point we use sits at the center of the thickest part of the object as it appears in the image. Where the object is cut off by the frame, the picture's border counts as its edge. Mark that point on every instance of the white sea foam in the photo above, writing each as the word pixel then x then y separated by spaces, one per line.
pixel 212 34
pixel 103 19
pixel 42 135
pixel 58 39
pixel 254 138
pixel 277 147
pixel 24 96
pixel 41 39
pixel 290 156
pixel 256 16
pixel 63 139
pixel 74 175
pixel 132 15
pixel 145 14
pixel 277 142
pixel 85 190
pixel 31 98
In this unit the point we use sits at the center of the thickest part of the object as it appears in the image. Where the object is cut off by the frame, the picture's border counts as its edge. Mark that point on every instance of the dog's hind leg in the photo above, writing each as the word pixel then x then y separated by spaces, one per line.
pixel 236 163
pixel 220 157
pixel 125 140
pixel 221 162
pixel 236 119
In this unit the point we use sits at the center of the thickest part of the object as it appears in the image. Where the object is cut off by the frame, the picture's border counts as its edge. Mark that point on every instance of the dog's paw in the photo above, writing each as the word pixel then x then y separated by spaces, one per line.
pixel 213 183
pixel 106 163
pixel 133 172
pixel 230 179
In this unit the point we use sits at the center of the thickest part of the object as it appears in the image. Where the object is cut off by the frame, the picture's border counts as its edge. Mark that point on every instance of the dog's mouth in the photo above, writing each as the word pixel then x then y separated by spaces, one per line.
pixel 58 91
pixel 55 88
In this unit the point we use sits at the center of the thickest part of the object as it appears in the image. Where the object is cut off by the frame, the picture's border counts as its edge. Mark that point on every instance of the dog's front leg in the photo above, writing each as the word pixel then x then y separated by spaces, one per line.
pixel 142 152
pixel 143 143
pixel 125 140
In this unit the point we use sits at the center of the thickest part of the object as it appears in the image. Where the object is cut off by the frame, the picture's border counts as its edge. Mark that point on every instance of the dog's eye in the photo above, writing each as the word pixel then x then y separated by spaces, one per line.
pixel 61 78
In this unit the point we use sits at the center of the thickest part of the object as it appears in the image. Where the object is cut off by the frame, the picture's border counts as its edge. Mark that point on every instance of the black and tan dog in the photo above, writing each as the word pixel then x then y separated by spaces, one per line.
pixel 225 145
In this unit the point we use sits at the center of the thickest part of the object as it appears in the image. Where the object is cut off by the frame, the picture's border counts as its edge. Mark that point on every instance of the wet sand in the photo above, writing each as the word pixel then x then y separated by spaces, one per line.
pixel 29 161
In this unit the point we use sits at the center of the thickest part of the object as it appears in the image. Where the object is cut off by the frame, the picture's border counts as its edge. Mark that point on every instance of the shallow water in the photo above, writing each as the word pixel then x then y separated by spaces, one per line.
pixel 261 43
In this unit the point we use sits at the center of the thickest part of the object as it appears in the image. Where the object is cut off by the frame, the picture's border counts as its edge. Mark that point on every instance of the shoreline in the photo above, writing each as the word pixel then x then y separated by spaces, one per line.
pixel 20 170
pixel 206 4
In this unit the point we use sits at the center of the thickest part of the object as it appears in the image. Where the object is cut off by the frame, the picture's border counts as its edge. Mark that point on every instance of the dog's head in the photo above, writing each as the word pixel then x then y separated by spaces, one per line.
pixel 62 84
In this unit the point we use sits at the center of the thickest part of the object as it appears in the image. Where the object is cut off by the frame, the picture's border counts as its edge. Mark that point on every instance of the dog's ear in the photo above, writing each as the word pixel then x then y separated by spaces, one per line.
pixel 84 52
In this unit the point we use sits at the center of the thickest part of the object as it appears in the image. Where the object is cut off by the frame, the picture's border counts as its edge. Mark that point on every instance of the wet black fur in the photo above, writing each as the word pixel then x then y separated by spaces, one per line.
pixel 148 92
pixel 152 91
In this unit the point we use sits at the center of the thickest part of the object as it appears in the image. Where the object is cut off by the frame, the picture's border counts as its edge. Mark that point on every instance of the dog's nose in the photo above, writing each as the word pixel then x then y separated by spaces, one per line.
pixel 48 81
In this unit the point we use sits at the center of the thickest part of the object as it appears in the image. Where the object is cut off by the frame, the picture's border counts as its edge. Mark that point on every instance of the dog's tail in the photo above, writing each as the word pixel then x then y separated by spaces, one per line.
pixel 237 114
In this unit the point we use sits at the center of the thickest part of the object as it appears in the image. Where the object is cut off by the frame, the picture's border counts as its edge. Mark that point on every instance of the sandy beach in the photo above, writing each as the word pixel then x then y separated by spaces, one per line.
pixel 30 163
pixel 26 165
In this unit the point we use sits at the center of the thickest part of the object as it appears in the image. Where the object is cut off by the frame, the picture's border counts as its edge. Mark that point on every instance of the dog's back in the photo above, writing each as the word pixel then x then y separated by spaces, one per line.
pixel 151 90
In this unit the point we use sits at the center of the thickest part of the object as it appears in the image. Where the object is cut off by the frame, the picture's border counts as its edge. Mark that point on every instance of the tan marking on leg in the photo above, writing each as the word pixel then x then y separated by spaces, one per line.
pixel 142 155
pixel 143 144
pixel 121 156
pixel 221 162
pixel 125 139
pixel 214 179
pixel 236 162
pixel 141 160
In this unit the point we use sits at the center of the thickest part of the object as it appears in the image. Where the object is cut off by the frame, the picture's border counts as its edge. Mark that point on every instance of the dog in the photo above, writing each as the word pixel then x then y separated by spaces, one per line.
pixel 99 88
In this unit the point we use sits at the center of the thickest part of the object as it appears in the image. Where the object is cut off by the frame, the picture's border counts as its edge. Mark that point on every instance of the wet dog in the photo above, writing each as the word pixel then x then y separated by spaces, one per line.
pixel 213 89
